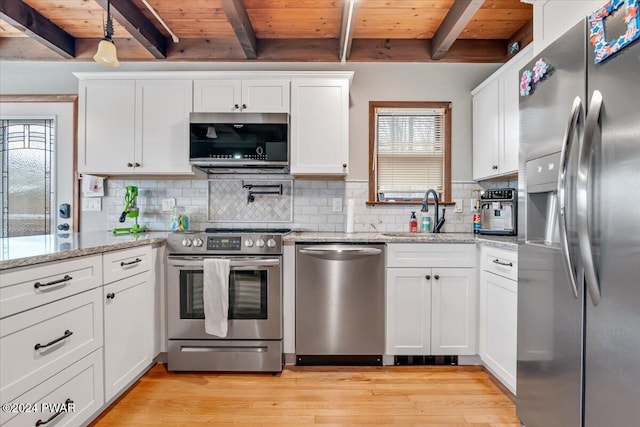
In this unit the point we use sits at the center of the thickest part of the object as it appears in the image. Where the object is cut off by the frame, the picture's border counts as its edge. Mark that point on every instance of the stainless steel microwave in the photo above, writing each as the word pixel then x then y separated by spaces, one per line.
pixel 239 142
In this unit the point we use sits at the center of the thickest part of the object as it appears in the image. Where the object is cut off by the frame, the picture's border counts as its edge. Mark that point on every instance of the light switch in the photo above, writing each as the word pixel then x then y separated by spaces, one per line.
pixel 92 204
pixel 458 207
pixel 168 204
pixel 337 204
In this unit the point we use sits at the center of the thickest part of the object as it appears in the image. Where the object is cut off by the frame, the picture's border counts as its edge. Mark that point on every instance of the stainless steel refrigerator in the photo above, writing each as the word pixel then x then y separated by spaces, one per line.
pixel 579 254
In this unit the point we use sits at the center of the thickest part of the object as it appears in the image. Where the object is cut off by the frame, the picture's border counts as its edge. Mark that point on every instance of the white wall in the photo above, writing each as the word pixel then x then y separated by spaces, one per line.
pixel 372 82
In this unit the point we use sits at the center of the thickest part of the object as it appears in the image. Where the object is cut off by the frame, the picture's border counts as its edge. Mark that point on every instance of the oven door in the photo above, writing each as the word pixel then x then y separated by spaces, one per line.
pixel 254 298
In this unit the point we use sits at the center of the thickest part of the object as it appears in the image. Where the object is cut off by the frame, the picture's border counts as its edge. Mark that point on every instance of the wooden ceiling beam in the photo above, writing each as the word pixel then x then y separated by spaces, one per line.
pixel 456 20
pixel 239 19
pixel 346 29
pixel 412 50
pixel 127 14
pixel 36 26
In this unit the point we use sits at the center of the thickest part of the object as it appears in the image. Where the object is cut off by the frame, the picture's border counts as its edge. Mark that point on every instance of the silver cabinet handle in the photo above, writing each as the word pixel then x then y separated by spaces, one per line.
pixel 565 154
pixel 506 264
pixel 585 158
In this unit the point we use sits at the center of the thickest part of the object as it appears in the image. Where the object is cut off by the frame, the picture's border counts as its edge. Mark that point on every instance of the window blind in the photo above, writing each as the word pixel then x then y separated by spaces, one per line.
pixel 410 150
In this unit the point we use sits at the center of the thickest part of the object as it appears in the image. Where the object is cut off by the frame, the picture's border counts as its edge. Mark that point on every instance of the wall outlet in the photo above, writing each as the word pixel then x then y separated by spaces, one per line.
pixel 472 203
pixel 337 204
pixel 168 205
pixel 92 204
pixel 458 207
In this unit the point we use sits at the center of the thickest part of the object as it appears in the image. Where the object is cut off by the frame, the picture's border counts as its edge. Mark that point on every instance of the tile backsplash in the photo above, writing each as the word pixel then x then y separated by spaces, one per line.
pixel 304 204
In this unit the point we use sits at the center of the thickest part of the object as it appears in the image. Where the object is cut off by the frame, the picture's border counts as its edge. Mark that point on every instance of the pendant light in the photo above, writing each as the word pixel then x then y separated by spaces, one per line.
pixel 106 54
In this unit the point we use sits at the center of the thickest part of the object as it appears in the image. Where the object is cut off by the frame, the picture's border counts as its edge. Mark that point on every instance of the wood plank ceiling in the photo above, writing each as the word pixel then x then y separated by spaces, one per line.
pixel 268 30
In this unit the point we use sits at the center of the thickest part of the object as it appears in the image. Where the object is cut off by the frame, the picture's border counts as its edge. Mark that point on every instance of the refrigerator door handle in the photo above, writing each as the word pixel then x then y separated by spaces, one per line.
pixel 582 196
pixel 567 146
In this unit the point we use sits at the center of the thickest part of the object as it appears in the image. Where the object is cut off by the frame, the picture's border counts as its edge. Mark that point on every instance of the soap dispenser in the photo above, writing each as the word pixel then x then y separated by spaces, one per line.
pixel 413 223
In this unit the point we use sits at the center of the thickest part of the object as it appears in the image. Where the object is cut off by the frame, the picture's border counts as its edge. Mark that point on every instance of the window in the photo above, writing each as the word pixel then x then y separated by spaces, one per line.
pixel 26 195
pixel 409 151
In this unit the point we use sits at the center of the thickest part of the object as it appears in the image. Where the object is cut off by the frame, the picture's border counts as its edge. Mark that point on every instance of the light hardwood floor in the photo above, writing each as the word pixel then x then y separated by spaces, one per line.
pixel 329 396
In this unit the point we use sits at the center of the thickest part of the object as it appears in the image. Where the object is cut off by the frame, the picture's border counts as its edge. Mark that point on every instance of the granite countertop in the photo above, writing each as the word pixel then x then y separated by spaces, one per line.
pixel 29 250
pixel 506 242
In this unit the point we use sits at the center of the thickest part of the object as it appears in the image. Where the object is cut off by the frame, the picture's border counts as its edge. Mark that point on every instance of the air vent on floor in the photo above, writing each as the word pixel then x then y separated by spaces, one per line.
pixel 425 360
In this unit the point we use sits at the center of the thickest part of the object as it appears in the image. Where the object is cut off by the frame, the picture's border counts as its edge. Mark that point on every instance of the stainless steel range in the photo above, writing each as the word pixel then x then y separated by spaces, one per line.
pixel 254 337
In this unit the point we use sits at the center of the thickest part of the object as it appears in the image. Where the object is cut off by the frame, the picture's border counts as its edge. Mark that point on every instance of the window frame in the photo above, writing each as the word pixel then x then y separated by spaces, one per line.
pixel 373 150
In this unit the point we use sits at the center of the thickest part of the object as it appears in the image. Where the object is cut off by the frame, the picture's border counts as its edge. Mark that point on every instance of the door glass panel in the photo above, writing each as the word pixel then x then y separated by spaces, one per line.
pixel 26 157
pixel 247 294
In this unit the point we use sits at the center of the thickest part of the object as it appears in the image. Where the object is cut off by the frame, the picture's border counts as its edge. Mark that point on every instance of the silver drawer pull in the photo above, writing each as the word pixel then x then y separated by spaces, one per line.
pixel 66 335
pixel 65 408
pixel 66 278
pixel 135 261
pixel 507 264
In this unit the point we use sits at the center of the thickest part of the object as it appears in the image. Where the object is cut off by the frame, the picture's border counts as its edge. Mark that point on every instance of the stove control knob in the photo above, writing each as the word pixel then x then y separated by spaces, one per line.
pixel 197 242
pixel 260 243
pixel 186 242
pixel 271 243
pixel 248 243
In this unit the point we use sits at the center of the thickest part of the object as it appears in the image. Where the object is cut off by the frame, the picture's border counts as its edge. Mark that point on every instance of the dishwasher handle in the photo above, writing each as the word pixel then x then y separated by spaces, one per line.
pixel 339 252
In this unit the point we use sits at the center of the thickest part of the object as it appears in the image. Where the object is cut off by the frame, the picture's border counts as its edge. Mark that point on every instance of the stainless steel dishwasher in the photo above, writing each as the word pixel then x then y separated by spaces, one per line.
pixel 340 310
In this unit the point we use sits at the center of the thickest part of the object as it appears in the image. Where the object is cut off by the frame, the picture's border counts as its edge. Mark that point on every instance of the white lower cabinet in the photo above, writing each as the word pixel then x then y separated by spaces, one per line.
pixel 454 301
pixel 128 331
pixel 499 314
pixel 36 344
pixel 67 399
pixel 431 311
pixel 408 311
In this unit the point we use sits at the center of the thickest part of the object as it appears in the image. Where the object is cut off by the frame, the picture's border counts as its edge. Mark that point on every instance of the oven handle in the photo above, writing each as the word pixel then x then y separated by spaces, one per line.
pixel 235 263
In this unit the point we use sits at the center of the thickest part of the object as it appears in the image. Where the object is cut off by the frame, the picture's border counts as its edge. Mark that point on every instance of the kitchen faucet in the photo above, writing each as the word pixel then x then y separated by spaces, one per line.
pixel 425 207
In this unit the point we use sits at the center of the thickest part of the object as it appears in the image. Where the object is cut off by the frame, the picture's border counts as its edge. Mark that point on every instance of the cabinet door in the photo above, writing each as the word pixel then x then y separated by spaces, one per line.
pixel 551 19
pixel 265 96
pixel 408 311
pixel 106 126
pixel 454 324
pixel 486 130
pixel 162 126
pixel 128 331
pixel 217 95
pixel 499 326
pixel 319 126
pixel 510 94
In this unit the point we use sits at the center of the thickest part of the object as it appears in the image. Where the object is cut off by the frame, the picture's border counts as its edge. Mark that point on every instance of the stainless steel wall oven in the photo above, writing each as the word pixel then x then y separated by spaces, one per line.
pixel 254 337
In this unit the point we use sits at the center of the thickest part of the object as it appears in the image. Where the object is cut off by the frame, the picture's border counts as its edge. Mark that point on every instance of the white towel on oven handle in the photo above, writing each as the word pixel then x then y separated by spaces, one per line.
pixel 215 290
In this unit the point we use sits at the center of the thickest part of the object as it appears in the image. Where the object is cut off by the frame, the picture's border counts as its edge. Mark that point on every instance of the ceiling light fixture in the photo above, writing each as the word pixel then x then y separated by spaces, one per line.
pixel 106 54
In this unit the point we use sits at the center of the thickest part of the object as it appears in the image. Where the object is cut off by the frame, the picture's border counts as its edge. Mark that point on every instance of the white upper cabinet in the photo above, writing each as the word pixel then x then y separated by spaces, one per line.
pixel 319 126
pixel 495 120
pixel 552 18
pixel 235 95
pixel 162 128
pixel 106 126
pixel 134 126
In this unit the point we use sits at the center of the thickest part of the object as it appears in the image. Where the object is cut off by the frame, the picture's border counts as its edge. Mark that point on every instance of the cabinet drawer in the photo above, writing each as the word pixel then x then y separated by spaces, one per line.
pixel 81 383
pixel 126 263
pixel 431 255
pixel 28 287
pixel 65 330
pixel 500 261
